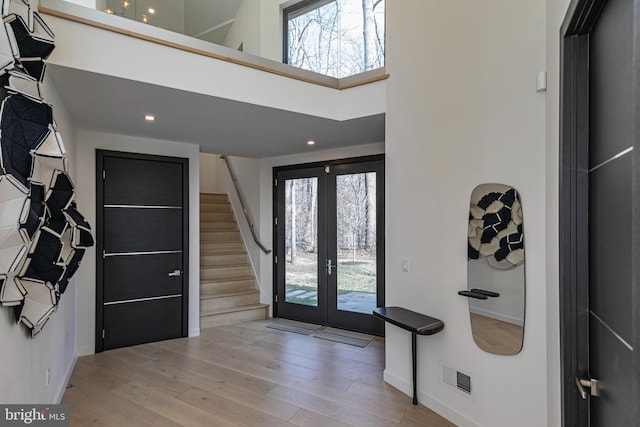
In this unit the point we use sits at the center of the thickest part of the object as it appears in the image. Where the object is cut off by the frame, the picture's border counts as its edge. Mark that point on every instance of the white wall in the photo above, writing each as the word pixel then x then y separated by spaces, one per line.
pixel 271 28
pixel 462 110
pixel 86 144
pixel 245 28
pixel 264 226
pixel 211 168
pixel 25 360
pixel 556 10
pixel 92 4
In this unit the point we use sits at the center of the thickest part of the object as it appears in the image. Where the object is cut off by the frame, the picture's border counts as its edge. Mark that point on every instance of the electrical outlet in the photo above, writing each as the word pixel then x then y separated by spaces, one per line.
pixel 47 378
pixel 405 265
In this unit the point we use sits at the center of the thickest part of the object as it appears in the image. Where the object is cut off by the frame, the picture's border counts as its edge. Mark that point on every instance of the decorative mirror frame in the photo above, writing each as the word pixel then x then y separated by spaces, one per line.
pixel 496 269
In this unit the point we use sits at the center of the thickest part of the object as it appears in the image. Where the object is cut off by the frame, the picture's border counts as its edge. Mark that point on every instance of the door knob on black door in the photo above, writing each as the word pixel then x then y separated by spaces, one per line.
pixel 175 273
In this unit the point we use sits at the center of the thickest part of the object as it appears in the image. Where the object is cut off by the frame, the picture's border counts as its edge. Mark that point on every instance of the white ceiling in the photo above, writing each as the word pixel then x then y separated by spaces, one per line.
pixel 220 126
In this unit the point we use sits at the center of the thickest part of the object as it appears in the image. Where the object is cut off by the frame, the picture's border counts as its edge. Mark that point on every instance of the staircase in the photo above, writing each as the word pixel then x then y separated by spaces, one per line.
pixel 228 291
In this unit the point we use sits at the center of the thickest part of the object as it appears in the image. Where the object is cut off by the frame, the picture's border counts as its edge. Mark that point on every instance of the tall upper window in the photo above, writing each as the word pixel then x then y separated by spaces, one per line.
pixel 338 38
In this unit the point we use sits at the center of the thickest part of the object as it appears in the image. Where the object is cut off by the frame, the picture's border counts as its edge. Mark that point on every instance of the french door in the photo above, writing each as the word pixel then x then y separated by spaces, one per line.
pixel 329 234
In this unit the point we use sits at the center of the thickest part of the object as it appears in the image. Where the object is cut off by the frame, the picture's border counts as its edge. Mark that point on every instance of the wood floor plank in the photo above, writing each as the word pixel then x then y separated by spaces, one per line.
pixel 419 416
pixel 111 365
pixel 246 375
pixel 335 410
pixel 265 367
pixel 259 398
pixel 141 372
pixel 82 413
pixel 113 409
pixel 193 368
pixel 243 415
pixel 313 419
pixel 336 367
pixel 170 408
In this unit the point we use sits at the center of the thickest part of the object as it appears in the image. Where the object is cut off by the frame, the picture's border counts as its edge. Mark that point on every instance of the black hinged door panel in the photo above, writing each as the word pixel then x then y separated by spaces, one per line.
pixel 142 283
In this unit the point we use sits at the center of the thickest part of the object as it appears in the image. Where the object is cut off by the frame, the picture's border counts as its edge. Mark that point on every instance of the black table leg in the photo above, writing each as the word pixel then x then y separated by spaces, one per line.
pixel 413 360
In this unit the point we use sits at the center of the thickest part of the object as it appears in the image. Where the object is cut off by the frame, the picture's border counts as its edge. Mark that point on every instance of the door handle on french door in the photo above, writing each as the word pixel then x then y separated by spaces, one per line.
pixel 175 273
pixel 330 267
pixel 592 384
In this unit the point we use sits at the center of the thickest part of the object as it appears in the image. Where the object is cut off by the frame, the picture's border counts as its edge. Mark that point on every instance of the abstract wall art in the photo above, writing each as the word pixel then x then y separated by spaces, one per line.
pixel 495 226
pixel 43 237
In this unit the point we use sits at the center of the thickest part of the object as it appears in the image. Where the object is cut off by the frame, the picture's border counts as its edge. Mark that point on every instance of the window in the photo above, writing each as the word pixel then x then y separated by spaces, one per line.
pixel 338 38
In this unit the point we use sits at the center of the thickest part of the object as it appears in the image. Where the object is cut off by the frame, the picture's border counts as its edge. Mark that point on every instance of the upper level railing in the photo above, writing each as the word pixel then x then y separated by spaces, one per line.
pixel 229 30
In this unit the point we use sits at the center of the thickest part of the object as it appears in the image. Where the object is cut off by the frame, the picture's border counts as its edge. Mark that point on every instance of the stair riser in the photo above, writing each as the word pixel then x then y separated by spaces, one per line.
pixel 220 236
pixel 215 207
pixel 222 288
pixel 218 226
pixel 225 273
pixel 220 248
pixel 216 216
pixel 211 305
pixel 222 260
pixel 213 198
pixel 231 318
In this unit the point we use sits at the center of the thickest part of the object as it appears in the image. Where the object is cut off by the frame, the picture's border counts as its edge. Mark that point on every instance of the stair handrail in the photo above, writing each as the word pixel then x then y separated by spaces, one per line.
pixel 247 215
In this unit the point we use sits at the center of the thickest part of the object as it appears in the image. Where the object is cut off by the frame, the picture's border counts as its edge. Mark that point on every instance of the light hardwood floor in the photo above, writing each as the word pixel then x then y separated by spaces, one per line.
pixel 240 375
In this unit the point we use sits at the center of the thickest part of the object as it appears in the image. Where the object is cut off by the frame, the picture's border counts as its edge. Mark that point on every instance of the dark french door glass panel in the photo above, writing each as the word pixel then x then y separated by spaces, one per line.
pixel 330 246
pixel 300 245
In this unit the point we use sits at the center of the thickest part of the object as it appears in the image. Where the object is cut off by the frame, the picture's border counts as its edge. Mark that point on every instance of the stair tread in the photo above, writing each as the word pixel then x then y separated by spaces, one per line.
pixel 228 294
pixel 218 253
pixel 234 279
pixel 228 252
pixel 244 264
pixel 236 309
pixel 215 221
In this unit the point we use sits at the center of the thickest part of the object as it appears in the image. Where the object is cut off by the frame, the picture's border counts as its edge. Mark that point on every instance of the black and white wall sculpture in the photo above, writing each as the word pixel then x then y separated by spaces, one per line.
pixel 42 234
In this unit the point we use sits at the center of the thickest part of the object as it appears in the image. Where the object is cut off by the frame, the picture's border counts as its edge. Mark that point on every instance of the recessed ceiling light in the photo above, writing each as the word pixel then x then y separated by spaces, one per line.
pixel 145 18
pixel 109 11
pixel 311 142
pixel 149 117
pixel 152 10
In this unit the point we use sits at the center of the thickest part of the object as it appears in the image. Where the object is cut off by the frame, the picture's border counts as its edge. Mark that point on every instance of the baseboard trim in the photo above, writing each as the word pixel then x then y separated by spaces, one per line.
pixel 85 351
pixel 63 386
pixel 195 332
pixel 426 400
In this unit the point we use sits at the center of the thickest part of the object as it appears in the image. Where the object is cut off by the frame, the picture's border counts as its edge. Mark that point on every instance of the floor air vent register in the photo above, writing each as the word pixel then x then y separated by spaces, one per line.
pixel 456 379
pixel 42 235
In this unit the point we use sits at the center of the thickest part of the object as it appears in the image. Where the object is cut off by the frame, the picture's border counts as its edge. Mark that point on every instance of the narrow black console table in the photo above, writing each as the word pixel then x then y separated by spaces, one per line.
pixel 417 324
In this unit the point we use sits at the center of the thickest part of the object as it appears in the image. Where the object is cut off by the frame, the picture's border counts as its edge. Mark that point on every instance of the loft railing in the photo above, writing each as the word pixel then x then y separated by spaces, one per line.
pixel 247 215
pixel 155 31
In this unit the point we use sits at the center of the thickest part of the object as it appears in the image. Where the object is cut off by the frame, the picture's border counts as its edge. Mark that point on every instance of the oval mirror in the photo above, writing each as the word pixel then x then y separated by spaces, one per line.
pixel 495 269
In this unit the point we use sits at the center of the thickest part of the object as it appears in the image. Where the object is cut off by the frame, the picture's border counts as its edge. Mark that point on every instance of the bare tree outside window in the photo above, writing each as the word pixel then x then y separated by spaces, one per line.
pixel 339 38
pixel 355 238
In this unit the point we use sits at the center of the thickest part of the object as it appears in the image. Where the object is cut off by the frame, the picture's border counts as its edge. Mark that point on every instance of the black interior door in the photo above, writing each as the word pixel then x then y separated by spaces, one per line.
pixel 329 233
pixel 612 222
pixel 142 240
